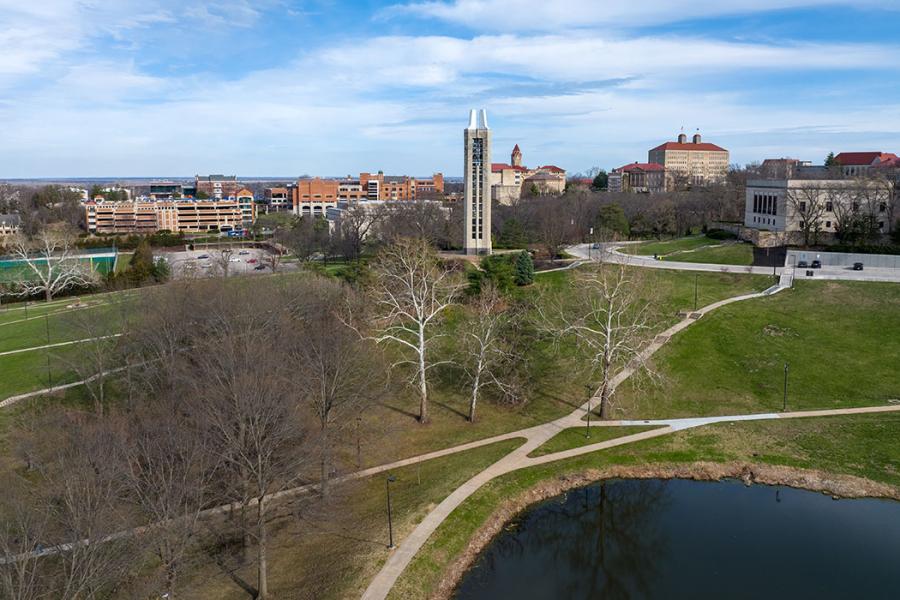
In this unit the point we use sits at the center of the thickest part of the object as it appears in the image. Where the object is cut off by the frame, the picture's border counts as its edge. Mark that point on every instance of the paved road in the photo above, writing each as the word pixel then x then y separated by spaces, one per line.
pixel 609 253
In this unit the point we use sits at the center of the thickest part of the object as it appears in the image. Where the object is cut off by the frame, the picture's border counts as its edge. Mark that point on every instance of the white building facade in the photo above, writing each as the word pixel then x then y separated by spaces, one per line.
pixel 477 169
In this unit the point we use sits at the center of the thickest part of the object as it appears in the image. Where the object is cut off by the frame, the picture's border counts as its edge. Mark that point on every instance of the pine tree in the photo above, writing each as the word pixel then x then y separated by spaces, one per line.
pixel 829 160
pixel 524 269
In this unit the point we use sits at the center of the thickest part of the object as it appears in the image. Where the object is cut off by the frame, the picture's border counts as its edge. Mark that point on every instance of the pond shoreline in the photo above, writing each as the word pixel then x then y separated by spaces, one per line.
pixel 837 486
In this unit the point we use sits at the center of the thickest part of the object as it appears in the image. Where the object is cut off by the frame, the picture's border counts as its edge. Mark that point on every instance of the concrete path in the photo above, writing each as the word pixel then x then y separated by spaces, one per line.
pixel 58 344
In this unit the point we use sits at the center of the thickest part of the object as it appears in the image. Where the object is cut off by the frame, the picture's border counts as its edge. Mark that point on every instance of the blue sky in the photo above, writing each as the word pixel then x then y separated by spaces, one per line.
pixel 284 87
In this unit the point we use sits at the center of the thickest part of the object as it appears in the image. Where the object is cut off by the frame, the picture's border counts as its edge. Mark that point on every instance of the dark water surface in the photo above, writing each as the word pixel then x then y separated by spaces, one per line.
pixel 689 539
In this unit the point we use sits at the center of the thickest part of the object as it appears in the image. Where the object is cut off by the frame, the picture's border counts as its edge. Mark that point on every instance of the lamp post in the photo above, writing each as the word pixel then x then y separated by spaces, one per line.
pixel 590 243
pixel 590 391
pixel 390 479
pixel 696 281
pixel 784 402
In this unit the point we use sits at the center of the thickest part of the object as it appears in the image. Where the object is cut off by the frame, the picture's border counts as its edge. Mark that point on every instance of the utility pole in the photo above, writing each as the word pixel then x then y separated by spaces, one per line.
pixel 390 479
pixel 784 402
pixel 696 281
pixel 590 391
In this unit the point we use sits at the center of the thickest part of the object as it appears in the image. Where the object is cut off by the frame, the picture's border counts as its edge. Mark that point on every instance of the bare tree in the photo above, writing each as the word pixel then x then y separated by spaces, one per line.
pixel 22 530
pixel 810 205
pixel 411 289
pixel 486 353
pixel 356 222
pixel 50 264
pixel 608 312
pixel 236 375
pixel 332 368
pixel 167 467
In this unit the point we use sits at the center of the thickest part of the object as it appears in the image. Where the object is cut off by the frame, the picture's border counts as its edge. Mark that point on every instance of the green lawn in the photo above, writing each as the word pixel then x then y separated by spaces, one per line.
pixel 866 446
pixel 25 372
pixel 839 338
pixel 730 254
pixel 667 246
pixel 574 437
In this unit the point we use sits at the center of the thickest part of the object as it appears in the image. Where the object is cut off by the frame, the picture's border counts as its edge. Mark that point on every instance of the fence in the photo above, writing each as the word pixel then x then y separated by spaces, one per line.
pixel 844 259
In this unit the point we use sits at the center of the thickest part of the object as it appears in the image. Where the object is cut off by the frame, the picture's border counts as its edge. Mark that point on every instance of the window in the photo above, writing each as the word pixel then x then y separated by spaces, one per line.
pixel 882 207
pixel 802 224
pixel 829 207
pixel 803 207
pixel 827 223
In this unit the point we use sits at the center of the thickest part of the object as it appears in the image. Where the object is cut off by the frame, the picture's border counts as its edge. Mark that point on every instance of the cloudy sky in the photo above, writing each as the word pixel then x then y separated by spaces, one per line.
pixel 289 87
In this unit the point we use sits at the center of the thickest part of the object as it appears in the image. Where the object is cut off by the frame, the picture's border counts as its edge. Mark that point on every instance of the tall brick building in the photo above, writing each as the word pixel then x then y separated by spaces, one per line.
pixel 694 163
pixel 217 186
pixel 316 195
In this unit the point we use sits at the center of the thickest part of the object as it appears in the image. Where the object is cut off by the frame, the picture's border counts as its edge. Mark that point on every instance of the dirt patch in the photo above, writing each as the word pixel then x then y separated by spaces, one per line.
pixel 838 486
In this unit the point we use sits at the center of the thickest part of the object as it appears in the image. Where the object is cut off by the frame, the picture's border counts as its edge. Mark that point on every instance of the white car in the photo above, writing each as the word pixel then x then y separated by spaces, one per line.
pixel 234 259
pixel 244 252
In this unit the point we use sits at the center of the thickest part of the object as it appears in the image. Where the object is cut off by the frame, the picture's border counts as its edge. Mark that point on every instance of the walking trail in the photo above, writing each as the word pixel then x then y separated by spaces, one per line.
pixel 536 436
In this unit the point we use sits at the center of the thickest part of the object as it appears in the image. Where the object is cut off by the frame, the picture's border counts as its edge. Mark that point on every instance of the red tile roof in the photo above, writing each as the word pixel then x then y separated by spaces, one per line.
pixel 552 168
pixel 497 167
pixel 690 147
pixel 860 159
pixel 640 167
pixel 890 163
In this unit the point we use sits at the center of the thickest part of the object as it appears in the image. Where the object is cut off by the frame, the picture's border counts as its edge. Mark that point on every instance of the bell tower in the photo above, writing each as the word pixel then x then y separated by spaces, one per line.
pixel 515 159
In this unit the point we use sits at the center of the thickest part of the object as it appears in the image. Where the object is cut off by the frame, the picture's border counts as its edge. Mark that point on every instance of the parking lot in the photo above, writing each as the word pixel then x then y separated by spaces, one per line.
pixel 213 262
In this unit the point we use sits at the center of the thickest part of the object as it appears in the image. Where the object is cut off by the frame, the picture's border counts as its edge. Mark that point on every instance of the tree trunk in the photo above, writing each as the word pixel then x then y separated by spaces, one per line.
pixel 48 294
pixel 474 398
pixel 324 459
pixel 262 574
pixel 423 387
pixel 604 390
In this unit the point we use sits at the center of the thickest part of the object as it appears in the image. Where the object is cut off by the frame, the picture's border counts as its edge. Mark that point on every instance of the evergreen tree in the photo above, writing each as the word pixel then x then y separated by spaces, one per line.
pixel 142 266
pixel 524 269
pixel 829 160
pixel 601 181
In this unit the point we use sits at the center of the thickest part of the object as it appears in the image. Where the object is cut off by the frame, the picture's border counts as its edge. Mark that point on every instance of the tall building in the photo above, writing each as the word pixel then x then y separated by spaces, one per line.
pixel 477 169
pixel 694 163
pixel 510 181
pixel 217 187
pixel 315 196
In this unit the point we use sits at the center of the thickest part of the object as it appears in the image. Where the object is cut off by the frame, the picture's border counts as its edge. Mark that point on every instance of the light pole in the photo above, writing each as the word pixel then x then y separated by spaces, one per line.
pixel 590 391
pixel 696 280
pixel 784 402
pixel 590 243
pixel 390 479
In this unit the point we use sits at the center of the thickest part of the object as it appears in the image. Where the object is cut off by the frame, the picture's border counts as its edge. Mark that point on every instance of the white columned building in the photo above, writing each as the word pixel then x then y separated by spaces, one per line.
pixel 477 171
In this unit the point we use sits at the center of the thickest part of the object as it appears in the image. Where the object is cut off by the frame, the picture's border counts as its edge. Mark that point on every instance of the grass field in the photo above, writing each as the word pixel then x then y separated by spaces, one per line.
pixel 730 254
pixel 668 246
pixel 575 437
pixel 866 446
pixel 837 338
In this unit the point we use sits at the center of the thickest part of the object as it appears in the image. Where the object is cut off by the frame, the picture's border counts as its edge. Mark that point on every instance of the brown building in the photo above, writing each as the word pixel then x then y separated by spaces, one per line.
pixel 277 199
pixel 316 195
pixel 217 187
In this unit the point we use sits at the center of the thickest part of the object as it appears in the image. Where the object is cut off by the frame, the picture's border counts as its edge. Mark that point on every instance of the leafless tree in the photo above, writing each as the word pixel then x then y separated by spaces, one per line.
pixel 167 468
pixel 236 375
pixel 809 204
pixel 273 258
pixel 332 369
pixel 356 223
pixel 552 226
pixel 420 219
pixel 23 528
pixel 50 263
pixel 411 290
pixel 609 314
pixel 485 352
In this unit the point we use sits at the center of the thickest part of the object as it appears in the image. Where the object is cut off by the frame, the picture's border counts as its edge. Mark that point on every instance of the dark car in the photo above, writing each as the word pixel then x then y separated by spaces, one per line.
pixel 802 265
pixel 259 267
pixel 816 264
pixel 857 266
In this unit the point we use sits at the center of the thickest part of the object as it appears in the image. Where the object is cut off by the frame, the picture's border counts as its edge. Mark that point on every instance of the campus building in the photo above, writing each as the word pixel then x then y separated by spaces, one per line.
pixel 695 163
pixel 276 199
pixel 189 216
pixel 217 187
pixel 314 196
pixel 510 181
pixel 9 224
pixel 477 182
pixel 854 164
pixel 824 206
pixel 647 178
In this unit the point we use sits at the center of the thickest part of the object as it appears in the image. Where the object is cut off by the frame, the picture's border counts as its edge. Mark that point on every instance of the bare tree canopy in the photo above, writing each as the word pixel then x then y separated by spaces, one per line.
pixel 50 262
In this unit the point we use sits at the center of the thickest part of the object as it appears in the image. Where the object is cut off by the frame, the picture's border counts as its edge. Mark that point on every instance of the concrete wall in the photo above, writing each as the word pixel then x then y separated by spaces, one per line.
pixel 844 259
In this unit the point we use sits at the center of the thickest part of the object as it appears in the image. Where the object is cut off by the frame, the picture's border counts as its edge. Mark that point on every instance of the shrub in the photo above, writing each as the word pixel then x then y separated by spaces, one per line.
pixel 720 234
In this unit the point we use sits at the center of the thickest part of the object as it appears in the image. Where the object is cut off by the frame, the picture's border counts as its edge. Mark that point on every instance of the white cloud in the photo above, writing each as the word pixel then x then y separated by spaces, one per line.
pixel 544 15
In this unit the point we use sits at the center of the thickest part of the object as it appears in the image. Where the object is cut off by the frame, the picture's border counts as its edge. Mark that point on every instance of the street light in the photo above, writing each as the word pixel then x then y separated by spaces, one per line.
pixel 696 280
pixel 390 479
pixel 784 403
pixel 590 391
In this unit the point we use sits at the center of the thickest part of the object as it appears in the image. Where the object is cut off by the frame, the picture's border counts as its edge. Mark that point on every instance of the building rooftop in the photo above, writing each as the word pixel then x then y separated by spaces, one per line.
pixel 690 147
pixel 552 168
pixel 862 159
pixel 497 167
pixel 636 166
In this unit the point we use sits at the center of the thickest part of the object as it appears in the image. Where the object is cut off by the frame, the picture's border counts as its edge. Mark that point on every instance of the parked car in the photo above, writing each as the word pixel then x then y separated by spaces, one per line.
pixel 244 252
pixel 802 265
pixel 252 261
pixel 816 264
pixel 206 266
pixel 234 259
pixel 857 266
pixel 259 267
pixel 596 246
pixel 203 256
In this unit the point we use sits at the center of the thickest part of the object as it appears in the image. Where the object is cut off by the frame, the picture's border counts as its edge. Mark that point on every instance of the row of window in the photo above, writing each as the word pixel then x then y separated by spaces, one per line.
pixel 766 204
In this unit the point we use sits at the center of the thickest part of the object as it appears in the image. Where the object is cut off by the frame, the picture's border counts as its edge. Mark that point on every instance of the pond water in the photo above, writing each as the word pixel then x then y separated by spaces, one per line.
pixel 689 539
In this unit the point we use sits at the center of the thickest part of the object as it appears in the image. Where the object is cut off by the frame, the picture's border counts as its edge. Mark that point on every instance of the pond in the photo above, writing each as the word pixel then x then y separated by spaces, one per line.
pixel 690 539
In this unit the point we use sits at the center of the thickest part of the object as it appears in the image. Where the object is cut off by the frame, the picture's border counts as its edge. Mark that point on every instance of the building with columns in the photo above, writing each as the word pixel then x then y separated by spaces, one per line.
pixel 477 178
